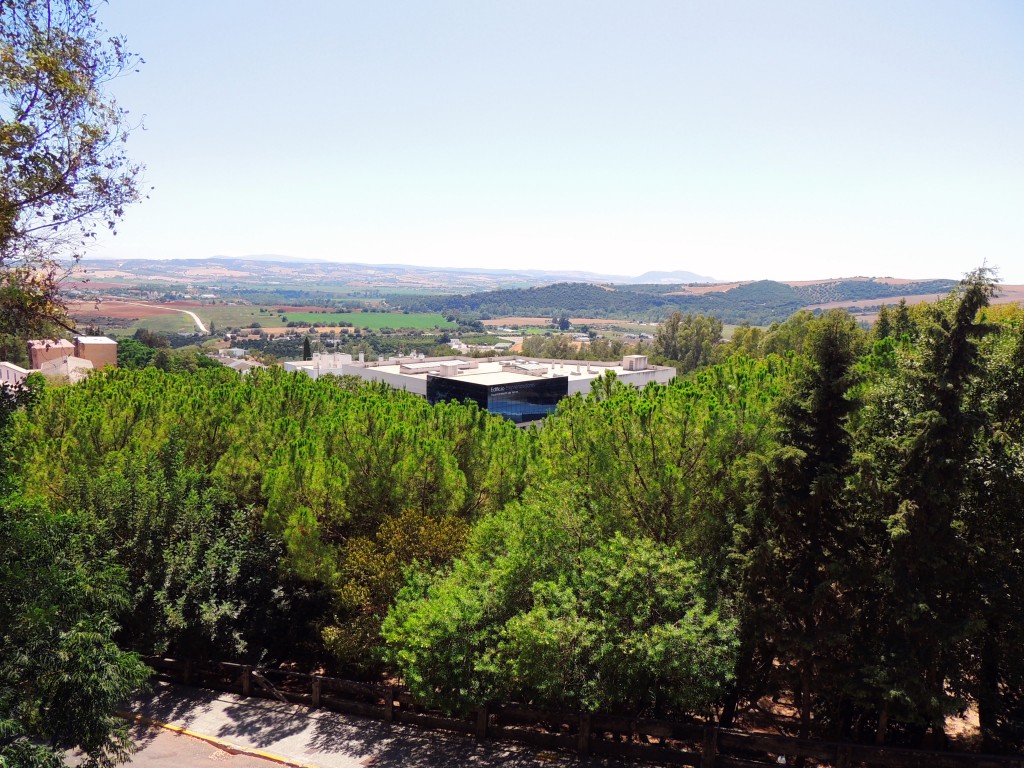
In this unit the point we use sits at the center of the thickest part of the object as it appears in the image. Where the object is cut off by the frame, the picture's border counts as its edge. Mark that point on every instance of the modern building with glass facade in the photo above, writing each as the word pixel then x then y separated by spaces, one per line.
pixel 520 389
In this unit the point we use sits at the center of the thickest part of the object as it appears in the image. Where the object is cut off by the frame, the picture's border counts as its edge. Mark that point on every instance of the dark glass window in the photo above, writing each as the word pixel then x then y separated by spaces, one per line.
pixel 520 401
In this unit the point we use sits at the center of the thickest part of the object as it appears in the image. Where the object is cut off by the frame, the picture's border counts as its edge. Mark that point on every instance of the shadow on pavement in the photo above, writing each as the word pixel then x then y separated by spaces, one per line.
pixel 141 735
pixel 268 725
pixel 263 725
pixel 391 746
pixel 176 704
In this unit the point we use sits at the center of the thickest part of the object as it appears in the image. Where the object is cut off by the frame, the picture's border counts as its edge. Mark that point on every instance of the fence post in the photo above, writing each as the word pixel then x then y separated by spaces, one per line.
pixel 186 673
pixel 316 691
pixel 843 756
pixel 710 749
pixel 389 705
pixel 246 681
pixel 583 742
pixel 482 717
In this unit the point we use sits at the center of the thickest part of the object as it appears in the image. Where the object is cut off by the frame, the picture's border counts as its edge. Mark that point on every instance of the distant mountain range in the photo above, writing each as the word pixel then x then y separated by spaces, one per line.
pixel 259 267
pixel 542 275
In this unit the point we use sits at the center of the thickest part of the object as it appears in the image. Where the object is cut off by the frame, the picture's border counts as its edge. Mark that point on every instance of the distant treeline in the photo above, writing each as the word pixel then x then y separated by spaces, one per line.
pixel 758 303
pixel 287 296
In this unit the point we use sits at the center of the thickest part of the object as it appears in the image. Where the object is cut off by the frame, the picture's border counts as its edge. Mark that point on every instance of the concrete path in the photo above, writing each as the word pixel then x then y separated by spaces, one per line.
pixel 304 737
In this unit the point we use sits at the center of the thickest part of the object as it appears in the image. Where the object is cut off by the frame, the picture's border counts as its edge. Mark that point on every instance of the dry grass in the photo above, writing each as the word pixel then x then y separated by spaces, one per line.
pixel 118 309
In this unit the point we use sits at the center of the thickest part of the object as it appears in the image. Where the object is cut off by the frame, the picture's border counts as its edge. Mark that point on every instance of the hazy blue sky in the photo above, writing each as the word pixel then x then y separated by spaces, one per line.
pixel 737 139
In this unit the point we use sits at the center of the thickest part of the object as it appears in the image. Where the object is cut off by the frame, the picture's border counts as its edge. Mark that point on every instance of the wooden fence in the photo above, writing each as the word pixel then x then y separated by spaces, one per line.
pixel 660 741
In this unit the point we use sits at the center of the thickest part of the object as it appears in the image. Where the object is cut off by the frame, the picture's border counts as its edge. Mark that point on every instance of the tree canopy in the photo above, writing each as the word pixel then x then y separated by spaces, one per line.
pixel 822 515
pixel 62 159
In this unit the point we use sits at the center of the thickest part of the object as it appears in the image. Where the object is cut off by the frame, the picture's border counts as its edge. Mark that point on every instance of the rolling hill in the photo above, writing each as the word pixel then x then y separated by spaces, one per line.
pixel 760 302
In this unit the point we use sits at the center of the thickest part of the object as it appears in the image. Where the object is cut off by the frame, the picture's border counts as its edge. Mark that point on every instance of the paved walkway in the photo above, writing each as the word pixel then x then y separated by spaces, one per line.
pixel 161 748
pixel 307 737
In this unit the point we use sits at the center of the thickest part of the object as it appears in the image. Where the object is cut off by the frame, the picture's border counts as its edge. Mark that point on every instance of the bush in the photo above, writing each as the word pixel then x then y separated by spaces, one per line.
pixel 534 613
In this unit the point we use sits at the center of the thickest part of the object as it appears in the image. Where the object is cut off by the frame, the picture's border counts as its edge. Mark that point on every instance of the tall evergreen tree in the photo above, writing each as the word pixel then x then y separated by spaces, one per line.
pixel 995 532
pixel 903 325
pixel 925 443
pixel 883 326
pixel 797 543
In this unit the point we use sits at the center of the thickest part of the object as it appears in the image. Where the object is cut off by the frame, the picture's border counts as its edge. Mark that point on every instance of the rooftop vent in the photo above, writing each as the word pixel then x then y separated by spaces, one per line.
pixel 449 369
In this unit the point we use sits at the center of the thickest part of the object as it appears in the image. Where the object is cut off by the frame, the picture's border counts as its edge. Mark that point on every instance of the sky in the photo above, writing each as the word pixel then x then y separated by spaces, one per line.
pixel 737 139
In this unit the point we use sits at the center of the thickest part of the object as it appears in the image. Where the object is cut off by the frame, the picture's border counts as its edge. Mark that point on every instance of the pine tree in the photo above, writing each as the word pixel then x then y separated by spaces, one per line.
pixel 903 325
pixel 883 326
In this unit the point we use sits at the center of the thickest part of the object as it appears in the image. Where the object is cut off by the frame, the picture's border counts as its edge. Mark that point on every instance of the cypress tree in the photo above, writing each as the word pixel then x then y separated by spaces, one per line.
pixel 996 538
pixel 925 601
pixel 797 543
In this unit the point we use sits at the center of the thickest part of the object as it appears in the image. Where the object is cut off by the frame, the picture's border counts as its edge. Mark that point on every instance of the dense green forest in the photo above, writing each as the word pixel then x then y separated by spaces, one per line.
pixel 758 303
pixel 808 514
pixel 832 517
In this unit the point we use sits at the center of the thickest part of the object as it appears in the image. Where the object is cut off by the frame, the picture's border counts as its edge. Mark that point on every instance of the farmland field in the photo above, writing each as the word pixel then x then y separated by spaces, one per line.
pixel 164 318
pixel 372 320
pixel 161 318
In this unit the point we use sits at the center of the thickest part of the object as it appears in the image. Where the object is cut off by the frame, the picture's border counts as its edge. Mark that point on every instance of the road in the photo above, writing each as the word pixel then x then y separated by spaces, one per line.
pixel 159 748
pixel 195 318
pixel 322 739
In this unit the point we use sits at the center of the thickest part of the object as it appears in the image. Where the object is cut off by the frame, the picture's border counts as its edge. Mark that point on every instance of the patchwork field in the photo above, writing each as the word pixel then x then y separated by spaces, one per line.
pixel 546 321
pixel 121 317
pixel 281 330
pixel 124 318
pixel 373 320
pixel 116 309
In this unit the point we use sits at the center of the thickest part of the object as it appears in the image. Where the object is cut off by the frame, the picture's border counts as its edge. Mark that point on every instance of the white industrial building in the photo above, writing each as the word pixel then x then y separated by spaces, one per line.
pixel 521 389
pixel 411 373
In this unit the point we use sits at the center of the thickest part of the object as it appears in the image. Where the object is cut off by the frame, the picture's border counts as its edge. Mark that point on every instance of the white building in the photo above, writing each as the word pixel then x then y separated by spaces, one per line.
pixel 72 368
pixel 411 373
pixel 521 389
pixel 321 364
pixel 12 375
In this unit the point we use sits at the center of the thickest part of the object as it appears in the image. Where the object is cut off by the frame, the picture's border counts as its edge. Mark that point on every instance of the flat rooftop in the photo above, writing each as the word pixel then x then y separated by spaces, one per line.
pixel 50 343
pixel 95 340
pixel 426 367
pixel 499 370
pixel 498 377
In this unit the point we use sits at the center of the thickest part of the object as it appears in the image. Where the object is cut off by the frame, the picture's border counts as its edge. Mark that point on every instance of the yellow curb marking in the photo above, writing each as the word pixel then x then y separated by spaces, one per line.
pixel 219 743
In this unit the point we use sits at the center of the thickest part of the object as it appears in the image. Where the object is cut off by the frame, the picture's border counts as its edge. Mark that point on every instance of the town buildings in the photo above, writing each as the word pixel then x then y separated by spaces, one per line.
pixel 321 364
pixel 60 358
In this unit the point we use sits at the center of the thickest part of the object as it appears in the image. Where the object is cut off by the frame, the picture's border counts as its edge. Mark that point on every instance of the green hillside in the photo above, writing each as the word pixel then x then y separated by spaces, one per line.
pixel 759 303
